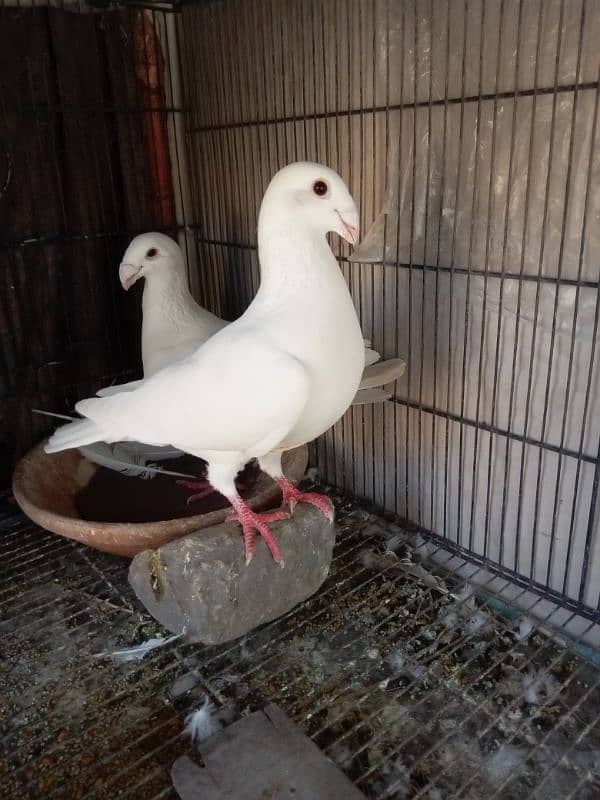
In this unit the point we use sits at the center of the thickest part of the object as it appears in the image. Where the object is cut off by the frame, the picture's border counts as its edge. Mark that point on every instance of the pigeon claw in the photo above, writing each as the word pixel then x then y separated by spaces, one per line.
pixel 292 496
pixel 253 522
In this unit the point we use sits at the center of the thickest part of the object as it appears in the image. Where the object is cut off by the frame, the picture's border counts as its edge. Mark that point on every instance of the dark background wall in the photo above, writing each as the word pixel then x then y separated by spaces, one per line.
pixel 83 161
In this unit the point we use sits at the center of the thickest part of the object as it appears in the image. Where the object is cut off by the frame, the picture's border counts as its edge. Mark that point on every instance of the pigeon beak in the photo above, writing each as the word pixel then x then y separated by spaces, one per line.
pixel 129 274
pixel 349 226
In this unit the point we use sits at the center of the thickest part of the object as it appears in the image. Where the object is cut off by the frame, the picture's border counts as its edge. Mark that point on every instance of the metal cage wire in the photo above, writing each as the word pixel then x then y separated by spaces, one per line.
pixel 468 134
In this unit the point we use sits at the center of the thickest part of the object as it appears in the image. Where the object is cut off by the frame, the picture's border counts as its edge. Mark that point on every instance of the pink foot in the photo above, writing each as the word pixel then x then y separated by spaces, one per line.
pixel 201 484
pixel 292 496
pixel 251 521
pixel 204 487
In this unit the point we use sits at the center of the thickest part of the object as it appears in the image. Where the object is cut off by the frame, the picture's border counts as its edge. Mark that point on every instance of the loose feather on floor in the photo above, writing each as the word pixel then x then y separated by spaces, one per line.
pixel 141 650
pixel 203 722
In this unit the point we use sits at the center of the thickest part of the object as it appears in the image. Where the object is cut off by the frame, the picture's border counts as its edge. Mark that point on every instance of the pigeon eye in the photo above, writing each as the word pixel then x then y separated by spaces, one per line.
pixel 152 252
pixel 320 188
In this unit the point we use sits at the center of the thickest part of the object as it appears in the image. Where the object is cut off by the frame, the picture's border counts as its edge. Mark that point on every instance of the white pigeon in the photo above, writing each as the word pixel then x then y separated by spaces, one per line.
pixel 274 379
pixel 173 324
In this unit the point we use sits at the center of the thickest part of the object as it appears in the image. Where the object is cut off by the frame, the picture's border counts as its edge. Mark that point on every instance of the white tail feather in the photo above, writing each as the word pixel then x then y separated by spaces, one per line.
pixel 78 433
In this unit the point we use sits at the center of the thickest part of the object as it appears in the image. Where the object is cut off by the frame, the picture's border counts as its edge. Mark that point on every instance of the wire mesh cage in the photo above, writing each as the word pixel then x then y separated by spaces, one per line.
pixel 467 131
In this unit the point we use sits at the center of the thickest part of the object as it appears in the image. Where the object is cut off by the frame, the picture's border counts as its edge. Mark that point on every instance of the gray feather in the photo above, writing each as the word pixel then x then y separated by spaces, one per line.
pixel 150 452
pixel 119 459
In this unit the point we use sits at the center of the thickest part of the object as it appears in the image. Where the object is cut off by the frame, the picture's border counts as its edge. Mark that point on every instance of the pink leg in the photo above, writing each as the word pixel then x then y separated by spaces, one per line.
pixel 292 496
pixel 204 488
pixel 252 521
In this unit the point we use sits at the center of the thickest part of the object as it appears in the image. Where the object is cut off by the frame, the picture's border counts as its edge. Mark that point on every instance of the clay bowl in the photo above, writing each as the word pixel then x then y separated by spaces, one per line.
pixel 46 486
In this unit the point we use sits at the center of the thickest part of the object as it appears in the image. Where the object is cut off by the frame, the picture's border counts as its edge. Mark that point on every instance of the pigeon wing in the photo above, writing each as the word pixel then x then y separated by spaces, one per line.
pixel 238 391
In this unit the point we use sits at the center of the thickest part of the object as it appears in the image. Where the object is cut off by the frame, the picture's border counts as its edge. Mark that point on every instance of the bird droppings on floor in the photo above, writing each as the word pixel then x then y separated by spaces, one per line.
pixel 396 670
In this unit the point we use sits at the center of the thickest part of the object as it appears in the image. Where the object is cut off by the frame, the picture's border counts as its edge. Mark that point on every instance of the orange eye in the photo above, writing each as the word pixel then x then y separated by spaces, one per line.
pixel 320 188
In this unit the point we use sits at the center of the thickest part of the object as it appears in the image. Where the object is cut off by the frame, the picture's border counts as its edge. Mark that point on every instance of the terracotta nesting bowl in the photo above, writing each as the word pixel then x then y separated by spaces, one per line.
pixel 45 487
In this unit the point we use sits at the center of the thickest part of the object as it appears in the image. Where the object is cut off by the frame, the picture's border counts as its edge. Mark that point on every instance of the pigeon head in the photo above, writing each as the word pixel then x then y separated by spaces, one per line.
pixel 148 255
pixel 311 198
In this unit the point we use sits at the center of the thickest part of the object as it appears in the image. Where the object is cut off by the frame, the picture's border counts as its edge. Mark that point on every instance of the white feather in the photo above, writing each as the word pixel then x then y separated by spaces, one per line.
pixel 141 650
pixel 526 627
pixel 203 722
pixel 78 433
pixel 477 624
pixel 539 686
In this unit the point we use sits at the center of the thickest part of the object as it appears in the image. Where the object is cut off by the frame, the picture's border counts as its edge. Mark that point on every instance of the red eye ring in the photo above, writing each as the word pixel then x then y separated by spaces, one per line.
pixel 320 188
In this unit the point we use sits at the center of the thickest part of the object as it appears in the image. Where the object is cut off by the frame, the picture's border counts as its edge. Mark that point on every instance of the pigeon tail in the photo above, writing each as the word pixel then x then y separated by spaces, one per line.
pixel 75 434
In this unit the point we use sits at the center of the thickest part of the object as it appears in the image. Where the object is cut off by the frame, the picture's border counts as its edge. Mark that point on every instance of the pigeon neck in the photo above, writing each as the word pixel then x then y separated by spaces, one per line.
pixel 173 280
pixel 292 258
pixel 163 289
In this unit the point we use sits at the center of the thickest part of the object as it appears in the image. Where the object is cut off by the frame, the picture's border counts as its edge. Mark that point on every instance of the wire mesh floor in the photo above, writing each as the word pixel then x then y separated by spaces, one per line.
pixel 409 679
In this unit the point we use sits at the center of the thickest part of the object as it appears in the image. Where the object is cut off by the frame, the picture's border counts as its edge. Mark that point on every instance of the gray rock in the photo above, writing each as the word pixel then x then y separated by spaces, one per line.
pixel 201 582
pixel 263 755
